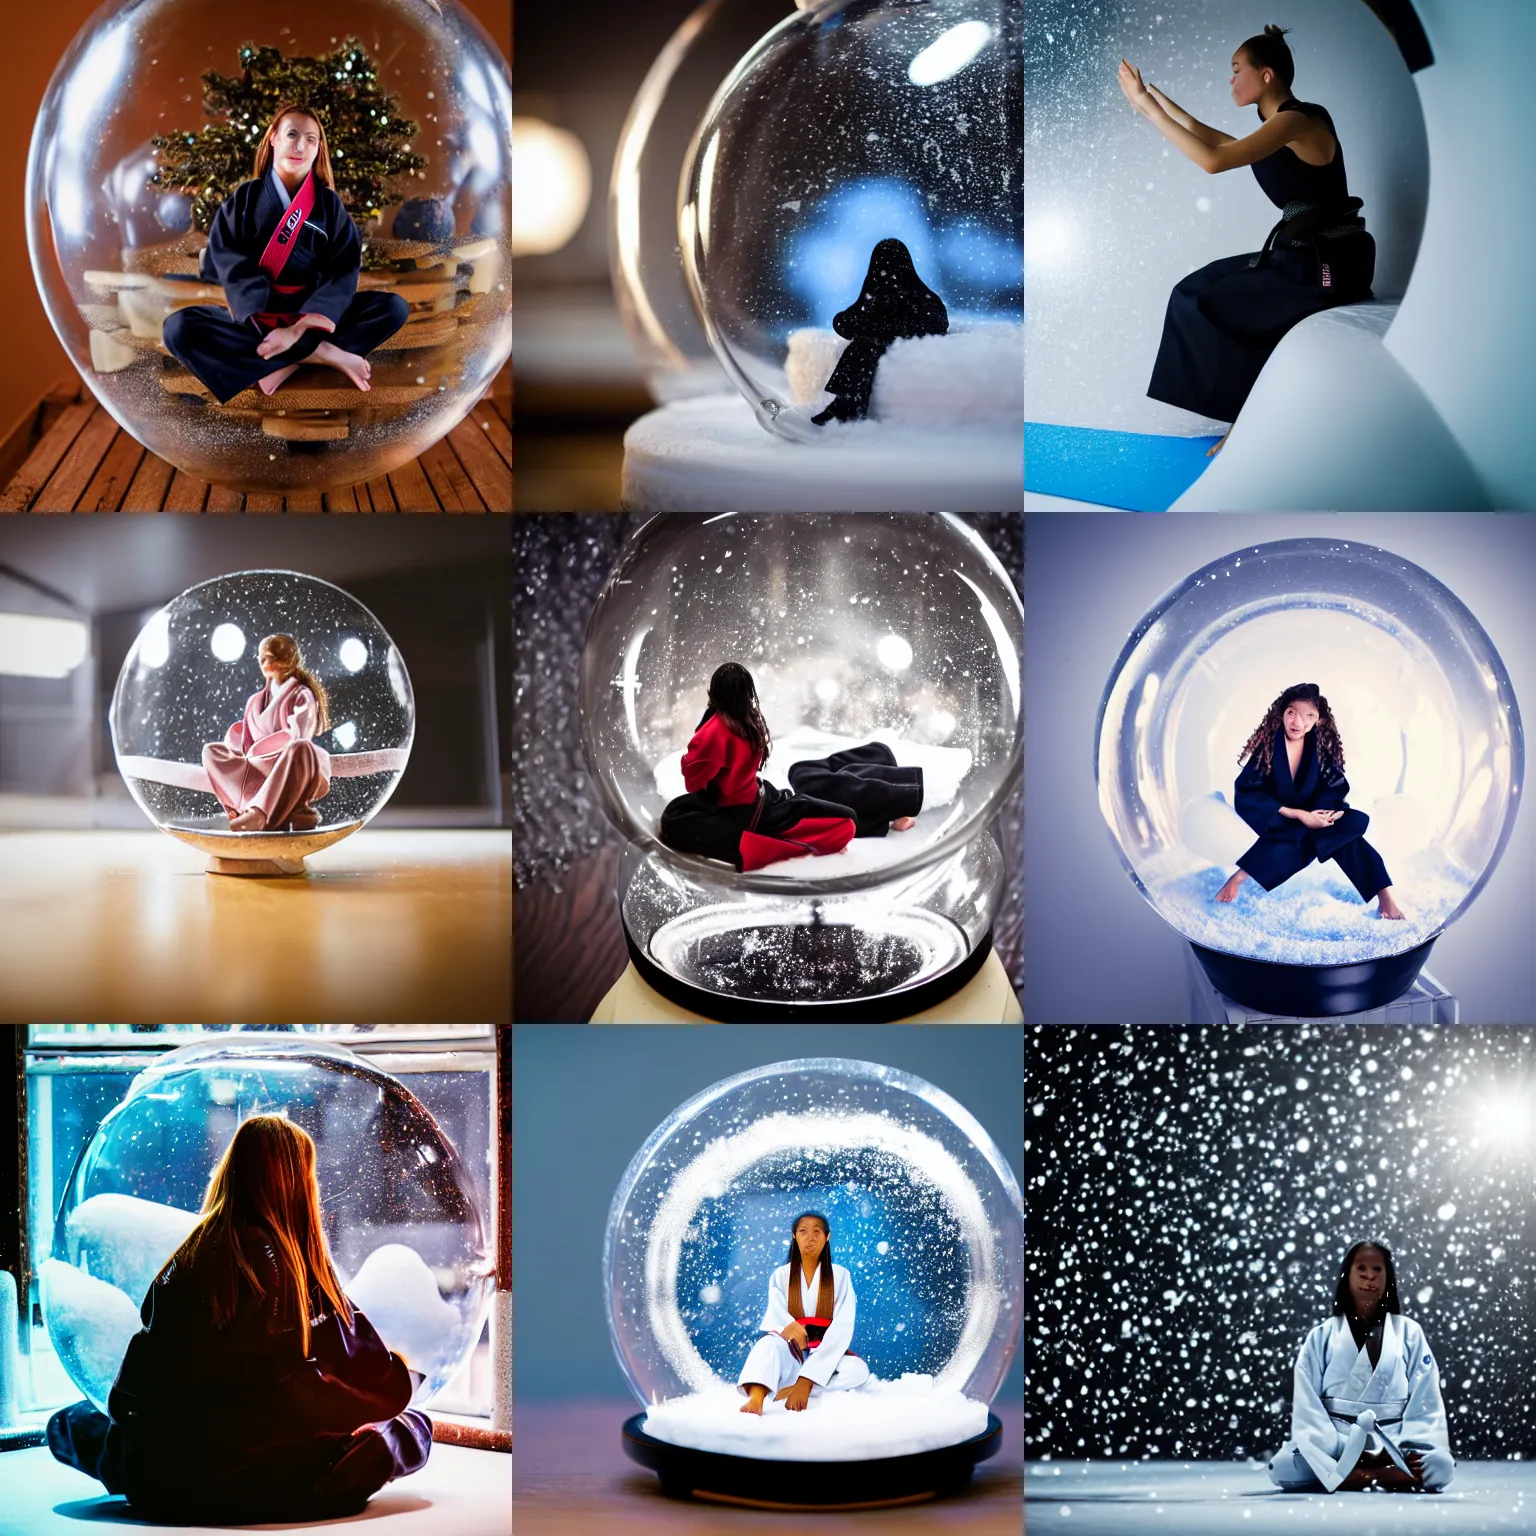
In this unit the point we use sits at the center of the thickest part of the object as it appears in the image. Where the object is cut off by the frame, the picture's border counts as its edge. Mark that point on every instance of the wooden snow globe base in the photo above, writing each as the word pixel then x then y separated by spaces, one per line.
pixel 260 853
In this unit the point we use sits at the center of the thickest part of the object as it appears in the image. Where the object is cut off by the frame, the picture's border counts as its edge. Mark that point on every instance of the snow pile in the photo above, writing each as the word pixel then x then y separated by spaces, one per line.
pixel 125 1240
pixel 1317 916
pixel 944 770
pixel 972 377
pixel 397 1291
pixel 89 1323
pixel 881 1418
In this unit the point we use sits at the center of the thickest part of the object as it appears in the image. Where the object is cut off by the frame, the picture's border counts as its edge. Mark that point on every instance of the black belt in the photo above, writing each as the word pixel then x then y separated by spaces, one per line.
pixel 1312 221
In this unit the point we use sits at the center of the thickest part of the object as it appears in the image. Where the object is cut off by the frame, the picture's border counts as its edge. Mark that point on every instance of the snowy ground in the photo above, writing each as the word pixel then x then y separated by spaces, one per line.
pixel 1218 1498
pixel 1316 917
pixel 944 769
pixel 881 1418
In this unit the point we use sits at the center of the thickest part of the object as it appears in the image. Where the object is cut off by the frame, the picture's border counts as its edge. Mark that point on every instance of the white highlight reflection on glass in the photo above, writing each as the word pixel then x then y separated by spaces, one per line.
pixel 949 53
pixel 345 735
pixel 155 640
pixel 228 642
pixel 894 653
pixel 353 654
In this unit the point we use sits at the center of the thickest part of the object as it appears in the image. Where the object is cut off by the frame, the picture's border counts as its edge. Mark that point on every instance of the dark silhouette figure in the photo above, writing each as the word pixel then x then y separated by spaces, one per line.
pixel 894 303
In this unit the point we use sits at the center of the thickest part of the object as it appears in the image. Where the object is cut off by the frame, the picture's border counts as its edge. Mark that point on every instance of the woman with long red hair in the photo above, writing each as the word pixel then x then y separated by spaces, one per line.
pixel 255 1390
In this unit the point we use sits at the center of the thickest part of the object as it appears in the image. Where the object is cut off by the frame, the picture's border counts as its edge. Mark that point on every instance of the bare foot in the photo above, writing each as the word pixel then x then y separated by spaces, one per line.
pixel 275 381
pixel 253 820
pixel 1228 892
pixel 903 822
pixel 1219 446
pixel 1386 906
pixel 755 1396
pixel 356 368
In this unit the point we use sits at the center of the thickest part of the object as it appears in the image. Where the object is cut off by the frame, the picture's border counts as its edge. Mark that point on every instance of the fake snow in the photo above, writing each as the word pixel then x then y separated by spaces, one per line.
pixel 1317 916
pixel 972 377
pixel 881 1418
pixel 944 769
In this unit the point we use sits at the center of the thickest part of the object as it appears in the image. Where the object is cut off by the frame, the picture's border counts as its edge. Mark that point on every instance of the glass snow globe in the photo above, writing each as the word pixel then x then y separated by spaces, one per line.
pixel 899 628
pixel 186 681
pixel 664 328
pixel 153 117
pixel 925 1214
pixel 1433 754
pixel 851 124
pixel 403 1220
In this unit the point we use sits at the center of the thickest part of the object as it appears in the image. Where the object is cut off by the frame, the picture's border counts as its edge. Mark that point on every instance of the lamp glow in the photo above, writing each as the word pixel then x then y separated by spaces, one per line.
pixel 228 642
pixel 551 186
pixel 32 645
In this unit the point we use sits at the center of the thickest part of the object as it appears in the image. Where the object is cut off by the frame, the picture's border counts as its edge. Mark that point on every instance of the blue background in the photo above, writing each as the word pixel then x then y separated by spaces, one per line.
pixel 585 1098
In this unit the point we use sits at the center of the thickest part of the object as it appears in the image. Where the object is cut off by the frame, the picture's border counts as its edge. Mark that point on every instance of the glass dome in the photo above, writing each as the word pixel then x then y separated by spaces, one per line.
pixel 115 232
pixel 403 1220
pixel 1434 751
pixel 674 353
pixel 926 1214
pixel 854 122
pixel 187 677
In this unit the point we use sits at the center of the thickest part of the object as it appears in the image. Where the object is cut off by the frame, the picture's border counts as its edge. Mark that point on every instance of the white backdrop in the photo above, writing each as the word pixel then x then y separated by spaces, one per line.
pixel 1115 216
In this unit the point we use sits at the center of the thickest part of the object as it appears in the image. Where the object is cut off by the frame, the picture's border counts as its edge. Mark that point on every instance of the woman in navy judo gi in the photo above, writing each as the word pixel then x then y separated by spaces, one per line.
pixel 288 255
pixel 1292 792
pixel 255 1391
pixel 1225 320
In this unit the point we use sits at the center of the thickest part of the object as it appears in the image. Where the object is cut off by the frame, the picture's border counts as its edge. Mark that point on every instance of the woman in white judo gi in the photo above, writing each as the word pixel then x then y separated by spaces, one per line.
pixel 1367 1410
pixel 800 1352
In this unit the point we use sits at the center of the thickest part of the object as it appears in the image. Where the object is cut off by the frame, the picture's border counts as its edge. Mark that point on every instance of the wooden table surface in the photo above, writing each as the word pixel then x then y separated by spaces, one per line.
pixel 570 1477
pixel 70 455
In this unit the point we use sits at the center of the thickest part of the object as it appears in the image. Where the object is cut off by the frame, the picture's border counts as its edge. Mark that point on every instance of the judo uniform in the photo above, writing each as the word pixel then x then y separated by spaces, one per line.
pixel 220 348
pixel 268 758
pixel 1284 845
pixel 867 781
pixel 1343 1407
pixel 732 815
pixel 1225 320
pixel 236 1425
pixel 772 1362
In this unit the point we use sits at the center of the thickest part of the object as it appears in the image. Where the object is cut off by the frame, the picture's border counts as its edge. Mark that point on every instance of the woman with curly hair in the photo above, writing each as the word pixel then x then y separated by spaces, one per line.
pixel 1292 792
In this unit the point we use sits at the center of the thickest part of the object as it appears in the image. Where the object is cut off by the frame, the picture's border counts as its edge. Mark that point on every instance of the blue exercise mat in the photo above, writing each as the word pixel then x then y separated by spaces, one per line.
pixel 1135 471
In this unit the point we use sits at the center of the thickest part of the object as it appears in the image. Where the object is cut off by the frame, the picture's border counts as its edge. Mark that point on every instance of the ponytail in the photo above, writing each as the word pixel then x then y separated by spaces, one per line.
pixel 1271 51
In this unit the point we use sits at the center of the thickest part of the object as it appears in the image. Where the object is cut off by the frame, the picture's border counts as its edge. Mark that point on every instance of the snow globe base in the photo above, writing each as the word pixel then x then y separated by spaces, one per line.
pixel 259 853
pixel 822 1486
pixel 1314 991
pixel 710 455
pixel 975 992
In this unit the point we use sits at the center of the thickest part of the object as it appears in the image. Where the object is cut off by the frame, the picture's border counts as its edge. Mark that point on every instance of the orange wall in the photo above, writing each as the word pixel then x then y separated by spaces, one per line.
pixel 33 358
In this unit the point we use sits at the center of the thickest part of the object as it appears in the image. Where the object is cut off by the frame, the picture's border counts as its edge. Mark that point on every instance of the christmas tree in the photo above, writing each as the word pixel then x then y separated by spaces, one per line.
pixel 368 141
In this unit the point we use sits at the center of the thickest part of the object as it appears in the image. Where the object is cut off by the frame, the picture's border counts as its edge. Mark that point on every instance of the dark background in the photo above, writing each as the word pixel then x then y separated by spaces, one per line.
pixel 440 588
pixel 585 1099
pixel 1191 1195
pixel 568 942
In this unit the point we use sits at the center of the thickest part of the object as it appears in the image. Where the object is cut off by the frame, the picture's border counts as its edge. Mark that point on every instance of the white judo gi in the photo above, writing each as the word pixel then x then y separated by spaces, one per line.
pixel 772 1363
pixel 1341 1408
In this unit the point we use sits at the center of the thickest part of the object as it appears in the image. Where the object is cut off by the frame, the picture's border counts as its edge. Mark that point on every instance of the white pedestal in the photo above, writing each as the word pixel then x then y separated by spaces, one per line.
pixel 710 455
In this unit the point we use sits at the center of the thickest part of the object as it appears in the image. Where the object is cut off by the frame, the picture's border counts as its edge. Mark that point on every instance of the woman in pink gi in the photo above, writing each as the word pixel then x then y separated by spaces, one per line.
pixel 267 771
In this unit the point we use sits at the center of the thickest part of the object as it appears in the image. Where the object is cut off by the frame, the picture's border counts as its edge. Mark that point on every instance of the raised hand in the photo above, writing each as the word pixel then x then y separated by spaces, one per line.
pixel 1135 89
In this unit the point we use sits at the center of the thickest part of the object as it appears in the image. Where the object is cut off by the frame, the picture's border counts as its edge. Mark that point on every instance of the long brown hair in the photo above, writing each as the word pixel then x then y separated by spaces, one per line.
pixel 265 1180
pixel 284 650
pixel 733 696
pixel 1261 745
pixel 797 1267
pixel 322 166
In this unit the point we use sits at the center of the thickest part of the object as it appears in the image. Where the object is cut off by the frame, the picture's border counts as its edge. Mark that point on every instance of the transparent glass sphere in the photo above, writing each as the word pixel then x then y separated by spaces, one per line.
pixel 925 1210
pixel 1433 747
pixel 115 250
pixel 853 122
pixel 187 677
pixel 646 260
pixel 735 946
pixel 902 627
pixel 402 1218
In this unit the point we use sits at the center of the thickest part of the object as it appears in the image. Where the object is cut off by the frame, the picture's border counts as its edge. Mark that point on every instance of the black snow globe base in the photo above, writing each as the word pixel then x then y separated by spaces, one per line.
pixel 1314 991
pixel 810 1485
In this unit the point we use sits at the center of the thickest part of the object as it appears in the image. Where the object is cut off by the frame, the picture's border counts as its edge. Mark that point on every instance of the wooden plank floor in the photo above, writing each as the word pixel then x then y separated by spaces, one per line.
pixel 69 455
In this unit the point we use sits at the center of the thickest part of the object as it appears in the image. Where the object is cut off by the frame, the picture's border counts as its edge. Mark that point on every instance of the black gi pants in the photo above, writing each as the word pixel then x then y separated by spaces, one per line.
pixel 867 781
pixel 1272 860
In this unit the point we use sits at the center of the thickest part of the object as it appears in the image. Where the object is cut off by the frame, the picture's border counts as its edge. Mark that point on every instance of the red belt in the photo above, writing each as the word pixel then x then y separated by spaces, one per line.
pixel 271 320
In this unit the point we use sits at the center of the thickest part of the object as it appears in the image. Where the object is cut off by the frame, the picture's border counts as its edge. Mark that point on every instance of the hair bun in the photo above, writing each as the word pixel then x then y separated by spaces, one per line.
pixel 1275 32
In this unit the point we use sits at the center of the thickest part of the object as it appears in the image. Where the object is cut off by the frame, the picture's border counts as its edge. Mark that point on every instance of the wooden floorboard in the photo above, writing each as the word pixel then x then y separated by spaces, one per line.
pixel 568 943
pixel 74 457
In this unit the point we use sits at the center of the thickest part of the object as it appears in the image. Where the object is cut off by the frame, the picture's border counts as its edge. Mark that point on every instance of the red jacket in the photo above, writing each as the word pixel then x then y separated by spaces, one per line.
pixel 718 756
